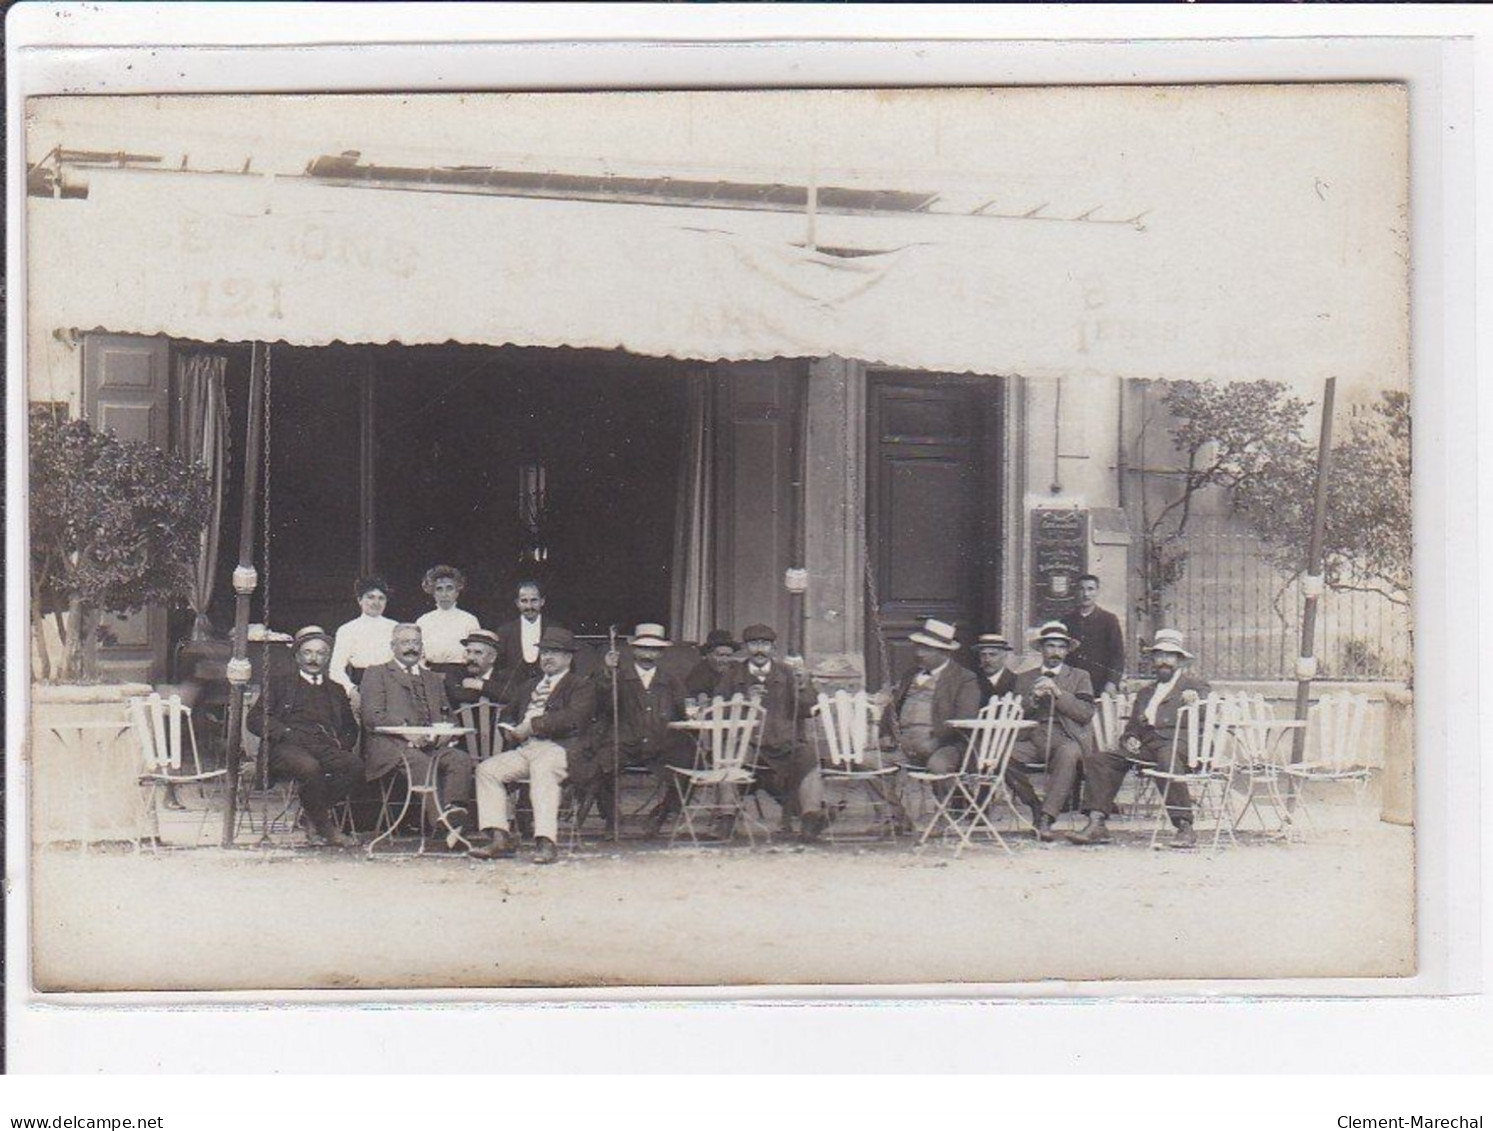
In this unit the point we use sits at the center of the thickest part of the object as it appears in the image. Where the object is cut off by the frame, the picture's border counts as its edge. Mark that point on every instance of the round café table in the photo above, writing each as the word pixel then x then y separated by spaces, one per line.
pixel 427 787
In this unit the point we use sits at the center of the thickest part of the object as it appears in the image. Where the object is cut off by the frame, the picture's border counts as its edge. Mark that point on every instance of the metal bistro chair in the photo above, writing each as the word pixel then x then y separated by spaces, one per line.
pixel 728 735
pixel 850 723
pixel 980 784
pixel 158 725
pixel 1338 721
pixel 1201 760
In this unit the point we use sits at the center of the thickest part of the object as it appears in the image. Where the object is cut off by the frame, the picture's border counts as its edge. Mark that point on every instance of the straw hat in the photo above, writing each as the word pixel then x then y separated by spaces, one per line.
pixel 936 634
pixel 1169 640
pixel 650 636
pixel 993 640
pixel 1055 630
pixel 312 632
pixel 483 636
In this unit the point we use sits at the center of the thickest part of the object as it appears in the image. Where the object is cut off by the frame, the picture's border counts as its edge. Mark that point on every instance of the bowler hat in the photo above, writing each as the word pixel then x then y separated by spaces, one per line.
pixel 557 640
pixel 936 634
pixel 718 638
pixel 758 632
pixel 483 636
pixel 311 632
pixel 650 636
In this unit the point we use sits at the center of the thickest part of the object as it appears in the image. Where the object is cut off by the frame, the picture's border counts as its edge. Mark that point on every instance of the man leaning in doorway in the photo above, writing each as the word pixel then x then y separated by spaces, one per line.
pixel 788 769
pixel 551 720
pixel 520 637
pixel 1060 699
pixel 1100 647
pixel 406 693
pixel 1149 740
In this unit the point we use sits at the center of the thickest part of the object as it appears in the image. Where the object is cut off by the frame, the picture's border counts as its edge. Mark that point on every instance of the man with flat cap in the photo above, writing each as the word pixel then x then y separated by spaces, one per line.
pixel 788 769
pixel 1060 699
pixel 550 726
pixel 716 655
pixel 647 700
pixel 311 736
pixel 480 678
pixel 1149 738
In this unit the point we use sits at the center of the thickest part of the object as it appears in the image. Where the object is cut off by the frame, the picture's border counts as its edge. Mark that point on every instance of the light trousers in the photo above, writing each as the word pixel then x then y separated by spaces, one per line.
pixel 542 765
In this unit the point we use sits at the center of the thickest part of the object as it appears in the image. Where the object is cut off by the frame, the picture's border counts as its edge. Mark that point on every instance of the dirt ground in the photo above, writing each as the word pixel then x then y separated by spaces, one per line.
pixel 204 918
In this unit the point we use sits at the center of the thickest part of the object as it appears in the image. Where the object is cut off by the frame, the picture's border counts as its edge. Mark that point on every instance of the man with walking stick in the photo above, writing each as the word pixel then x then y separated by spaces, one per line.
pixel 1060 699
pixel 645 700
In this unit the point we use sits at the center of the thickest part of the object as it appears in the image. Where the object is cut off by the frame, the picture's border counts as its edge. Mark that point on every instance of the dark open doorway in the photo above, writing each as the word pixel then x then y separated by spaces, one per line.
pixel 397 458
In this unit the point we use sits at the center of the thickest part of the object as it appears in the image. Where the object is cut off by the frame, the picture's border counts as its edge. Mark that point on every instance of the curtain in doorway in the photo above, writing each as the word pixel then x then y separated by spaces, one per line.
pixel 202 424
pixel 692 601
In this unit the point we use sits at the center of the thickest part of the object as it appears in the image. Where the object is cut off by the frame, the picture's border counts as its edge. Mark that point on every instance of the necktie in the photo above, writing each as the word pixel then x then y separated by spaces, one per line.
pixel 418 687
pixel 540 697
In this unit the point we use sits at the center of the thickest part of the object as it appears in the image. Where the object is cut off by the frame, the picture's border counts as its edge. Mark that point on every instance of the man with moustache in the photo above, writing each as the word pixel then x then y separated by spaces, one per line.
pixel 1149 738
pixel 404 692
pixel 1060 699
pixel 480 678
pixel 311 736
pixel 996 676
pixel 551 725
pixel 1099 647
pixel 788 769
pixel 648 699
pixel 716 655
pixel 520 637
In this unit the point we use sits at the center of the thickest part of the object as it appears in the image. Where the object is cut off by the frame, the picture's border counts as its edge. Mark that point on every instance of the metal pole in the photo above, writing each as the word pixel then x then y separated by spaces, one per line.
pixel 245 580
pixel 616 746
pixel 1306 666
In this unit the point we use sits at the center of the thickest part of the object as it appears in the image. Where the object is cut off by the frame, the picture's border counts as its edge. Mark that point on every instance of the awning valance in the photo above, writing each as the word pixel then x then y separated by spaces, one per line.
pixel 225 257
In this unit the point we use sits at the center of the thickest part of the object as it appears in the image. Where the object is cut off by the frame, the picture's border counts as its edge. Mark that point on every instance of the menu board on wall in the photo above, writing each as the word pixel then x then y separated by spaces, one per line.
pixel 1060 553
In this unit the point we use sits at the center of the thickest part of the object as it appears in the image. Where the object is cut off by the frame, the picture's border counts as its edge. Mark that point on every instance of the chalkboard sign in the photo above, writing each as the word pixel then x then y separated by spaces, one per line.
pixel 1060 553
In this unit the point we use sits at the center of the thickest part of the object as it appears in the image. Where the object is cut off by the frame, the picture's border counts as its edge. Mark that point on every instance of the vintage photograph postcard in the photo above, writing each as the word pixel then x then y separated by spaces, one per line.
pixel 766 538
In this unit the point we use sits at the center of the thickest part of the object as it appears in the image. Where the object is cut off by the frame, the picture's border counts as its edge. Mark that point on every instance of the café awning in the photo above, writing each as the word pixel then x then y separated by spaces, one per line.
pixel 241 258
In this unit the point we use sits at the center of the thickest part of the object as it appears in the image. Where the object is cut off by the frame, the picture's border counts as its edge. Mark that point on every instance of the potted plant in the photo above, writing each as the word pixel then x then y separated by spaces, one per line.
pixel 115 526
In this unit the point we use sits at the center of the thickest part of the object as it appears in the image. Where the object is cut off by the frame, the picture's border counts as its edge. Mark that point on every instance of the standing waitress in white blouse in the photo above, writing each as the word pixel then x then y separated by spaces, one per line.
pixel 445 626
pixel 363 642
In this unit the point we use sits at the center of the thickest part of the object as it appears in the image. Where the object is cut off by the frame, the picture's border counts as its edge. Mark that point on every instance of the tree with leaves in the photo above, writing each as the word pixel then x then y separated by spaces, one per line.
pixel 115 526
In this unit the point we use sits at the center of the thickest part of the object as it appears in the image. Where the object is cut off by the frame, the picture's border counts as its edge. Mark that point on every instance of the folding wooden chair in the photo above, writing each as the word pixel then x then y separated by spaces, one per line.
pixel 728 738
pixel 1201 760
pixel 1259 760
pixel 849 722
pixel 1111 713
pixel 964 809
pixel 158 725
pixel 486 740
pixel 1338 722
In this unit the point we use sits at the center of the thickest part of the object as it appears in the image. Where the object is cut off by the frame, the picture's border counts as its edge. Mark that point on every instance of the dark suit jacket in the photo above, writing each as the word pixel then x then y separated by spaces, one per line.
pixel 492 688
pixel 1074 704
pixel 569 717
pixel 278 717
pixel 511 659
pixel 1003 683
pixel 1101 647
pixel 644 713
pixel 1166 713
pixel 388 699
pixel 785 700
pixel 956 695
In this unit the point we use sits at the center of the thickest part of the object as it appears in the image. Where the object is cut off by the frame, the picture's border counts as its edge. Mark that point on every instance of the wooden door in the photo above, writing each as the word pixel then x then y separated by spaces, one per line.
pixel 933 520
pixel 126 387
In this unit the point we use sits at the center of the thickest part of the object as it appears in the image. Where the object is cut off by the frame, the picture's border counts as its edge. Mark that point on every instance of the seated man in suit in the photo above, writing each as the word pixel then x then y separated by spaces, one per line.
pixel 1060 699
pixel 929 694
pixel 404 692
pixel 311 736
pixel 648 699
pixel 1149 736
pixel 716 655
pixel 789 769
pixel 551 726
pixel 480 677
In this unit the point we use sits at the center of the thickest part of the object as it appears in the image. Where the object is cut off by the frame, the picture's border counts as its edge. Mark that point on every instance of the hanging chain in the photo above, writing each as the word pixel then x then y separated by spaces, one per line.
pixel 873 597
pixel 264 608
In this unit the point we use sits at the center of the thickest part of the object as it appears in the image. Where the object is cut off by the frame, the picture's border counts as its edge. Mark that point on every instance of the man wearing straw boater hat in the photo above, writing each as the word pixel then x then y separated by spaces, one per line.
pixel 312 737
pixel 936 689
pixel 480 677
pixel 1060 699
pixel 1147 738
pixel 996 676
pixel 637 717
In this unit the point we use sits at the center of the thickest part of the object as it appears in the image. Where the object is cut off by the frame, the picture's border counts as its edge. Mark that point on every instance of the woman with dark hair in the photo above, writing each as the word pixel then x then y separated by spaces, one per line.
pixel 364 641
pixel 445 626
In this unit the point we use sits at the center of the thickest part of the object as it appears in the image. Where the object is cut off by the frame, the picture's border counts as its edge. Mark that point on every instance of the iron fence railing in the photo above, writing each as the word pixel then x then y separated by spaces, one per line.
pixel 1244 617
